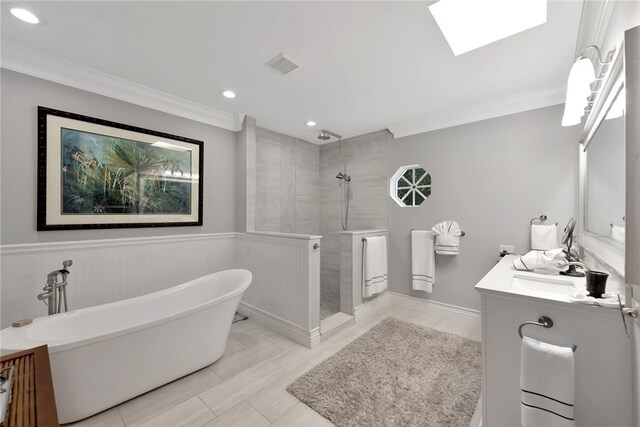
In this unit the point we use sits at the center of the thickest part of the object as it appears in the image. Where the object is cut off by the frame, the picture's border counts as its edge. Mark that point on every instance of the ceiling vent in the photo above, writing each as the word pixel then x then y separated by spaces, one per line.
pixel 283 64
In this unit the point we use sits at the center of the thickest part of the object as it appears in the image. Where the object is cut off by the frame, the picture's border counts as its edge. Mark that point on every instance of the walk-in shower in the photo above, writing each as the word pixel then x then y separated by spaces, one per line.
pixel 344 179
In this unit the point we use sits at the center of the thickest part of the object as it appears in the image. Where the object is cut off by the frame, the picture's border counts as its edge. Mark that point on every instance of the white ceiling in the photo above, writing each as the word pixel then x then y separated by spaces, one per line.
pixel 364 65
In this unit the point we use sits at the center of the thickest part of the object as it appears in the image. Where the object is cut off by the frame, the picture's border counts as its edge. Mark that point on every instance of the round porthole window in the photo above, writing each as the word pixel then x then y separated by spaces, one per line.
pixel 410 186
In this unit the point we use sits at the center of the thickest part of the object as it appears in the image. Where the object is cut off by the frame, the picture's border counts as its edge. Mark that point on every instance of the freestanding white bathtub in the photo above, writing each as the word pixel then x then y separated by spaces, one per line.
pixel 103 355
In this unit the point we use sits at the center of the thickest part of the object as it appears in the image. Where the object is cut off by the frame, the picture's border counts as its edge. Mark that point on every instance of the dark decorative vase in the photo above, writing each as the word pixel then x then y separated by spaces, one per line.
pixel 596 283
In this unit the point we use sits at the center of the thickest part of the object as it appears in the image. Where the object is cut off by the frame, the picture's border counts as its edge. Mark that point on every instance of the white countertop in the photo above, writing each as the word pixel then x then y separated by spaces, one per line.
pixel 499 281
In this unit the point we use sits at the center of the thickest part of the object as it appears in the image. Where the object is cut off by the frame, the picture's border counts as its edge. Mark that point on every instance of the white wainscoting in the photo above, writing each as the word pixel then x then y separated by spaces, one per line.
pixel 285 293
pixel 104 271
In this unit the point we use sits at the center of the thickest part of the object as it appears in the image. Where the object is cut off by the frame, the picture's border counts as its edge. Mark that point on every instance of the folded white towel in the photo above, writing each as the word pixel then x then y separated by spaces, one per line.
pixel 582 296
pixel 374 265
pixel 540 260
pixel 617 233
pixel 544 237
pixel 548 385
pixel 423 260
pixel 447 237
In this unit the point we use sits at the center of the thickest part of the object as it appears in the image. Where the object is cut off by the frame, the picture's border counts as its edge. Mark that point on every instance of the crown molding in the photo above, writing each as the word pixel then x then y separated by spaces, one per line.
pixel 593 25
pixel 36 64
pixel 518 103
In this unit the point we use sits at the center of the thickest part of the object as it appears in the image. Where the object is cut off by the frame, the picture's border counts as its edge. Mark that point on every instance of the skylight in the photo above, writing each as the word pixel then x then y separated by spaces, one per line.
pixel 470 24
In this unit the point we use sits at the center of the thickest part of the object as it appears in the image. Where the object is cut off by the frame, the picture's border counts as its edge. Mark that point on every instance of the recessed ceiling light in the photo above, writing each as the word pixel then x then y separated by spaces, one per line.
pixel 310 123
pixel 24 15
pixel 228 94
pixel 470 24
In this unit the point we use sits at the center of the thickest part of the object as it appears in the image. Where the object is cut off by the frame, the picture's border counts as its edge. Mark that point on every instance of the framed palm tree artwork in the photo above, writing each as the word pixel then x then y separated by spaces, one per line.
pixel 94 173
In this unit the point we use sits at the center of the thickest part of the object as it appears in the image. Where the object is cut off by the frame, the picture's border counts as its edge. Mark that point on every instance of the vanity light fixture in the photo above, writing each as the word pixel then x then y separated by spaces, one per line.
pixel 470 24
pixel 580 92
pixel 310 123
pixel 228 94
pixel 24 15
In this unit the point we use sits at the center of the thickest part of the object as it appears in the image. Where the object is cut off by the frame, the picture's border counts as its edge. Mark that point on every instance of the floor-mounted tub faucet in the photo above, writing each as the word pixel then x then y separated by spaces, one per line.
pixel 55 292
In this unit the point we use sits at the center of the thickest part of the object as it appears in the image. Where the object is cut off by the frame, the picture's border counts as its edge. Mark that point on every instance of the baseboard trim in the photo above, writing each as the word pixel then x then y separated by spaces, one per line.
pixel 429 305
pixel 309 339
pixel 369 306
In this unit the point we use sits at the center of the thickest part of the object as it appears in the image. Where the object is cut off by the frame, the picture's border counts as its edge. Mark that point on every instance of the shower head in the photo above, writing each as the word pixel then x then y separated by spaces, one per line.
pixel 327 134
pixel 324 136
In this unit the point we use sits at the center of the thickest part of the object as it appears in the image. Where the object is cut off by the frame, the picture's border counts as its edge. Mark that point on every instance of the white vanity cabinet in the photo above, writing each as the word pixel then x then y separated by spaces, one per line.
pixel 602 381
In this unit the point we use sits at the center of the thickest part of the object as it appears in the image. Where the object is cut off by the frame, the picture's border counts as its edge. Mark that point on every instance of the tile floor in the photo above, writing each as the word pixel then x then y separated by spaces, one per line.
pixel 247 386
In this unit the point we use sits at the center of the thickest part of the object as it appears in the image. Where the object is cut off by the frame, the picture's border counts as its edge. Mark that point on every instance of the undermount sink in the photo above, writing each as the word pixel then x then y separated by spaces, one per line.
pixel 538 283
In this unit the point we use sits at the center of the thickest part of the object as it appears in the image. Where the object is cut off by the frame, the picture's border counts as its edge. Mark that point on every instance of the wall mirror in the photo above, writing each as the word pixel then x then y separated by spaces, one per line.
pixel 604 197
pixel 602 172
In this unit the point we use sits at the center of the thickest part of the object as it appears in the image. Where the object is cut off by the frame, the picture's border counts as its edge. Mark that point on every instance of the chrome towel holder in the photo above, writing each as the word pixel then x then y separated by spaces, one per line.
pixel 544 321
pixel 542 218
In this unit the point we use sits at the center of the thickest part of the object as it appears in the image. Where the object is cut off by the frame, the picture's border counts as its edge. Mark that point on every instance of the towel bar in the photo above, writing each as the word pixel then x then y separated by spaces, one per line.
pixel 462 233
pixel 544 321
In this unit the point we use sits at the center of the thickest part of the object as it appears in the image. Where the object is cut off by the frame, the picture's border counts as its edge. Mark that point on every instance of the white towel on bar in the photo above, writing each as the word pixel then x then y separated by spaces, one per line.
pixel 540 260
pixel 548 385
pixel 374 265
pixel 617 233
pixel 544 237
pixel 423 260
pixel 447 237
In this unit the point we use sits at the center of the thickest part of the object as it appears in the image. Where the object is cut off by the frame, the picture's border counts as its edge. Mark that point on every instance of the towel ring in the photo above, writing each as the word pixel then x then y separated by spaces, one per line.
pixel 541 218
pixel 544 321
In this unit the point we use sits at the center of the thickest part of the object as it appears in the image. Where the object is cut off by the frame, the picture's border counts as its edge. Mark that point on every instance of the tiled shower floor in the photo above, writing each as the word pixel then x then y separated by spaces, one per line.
pixel 329 302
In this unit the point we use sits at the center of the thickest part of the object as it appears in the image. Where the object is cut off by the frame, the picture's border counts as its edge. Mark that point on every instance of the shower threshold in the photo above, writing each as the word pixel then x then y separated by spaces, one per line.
pixel 334 322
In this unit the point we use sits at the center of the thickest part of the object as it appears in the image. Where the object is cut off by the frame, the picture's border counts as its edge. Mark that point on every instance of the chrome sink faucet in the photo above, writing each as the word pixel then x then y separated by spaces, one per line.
pixel 577 264
pixel 55 292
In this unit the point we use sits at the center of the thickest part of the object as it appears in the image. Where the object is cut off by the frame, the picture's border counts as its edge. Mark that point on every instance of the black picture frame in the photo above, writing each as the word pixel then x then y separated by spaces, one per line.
pixel 148 177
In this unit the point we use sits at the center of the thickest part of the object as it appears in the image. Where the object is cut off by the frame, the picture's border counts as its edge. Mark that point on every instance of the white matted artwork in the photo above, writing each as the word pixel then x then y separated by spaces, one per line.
pixel 93 173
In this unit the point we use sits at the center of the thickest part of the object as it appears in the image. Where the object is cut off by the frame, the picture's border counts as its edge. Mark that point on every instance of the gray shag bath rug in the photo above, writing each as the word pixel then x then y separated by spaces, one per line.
pixel 397 374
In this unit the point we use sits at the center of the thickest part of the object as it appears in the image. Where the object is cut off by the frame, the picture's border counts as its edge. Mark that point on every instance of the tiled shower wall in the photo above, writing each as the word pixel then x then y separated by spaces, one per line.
pixel 366 159
pixel 287 184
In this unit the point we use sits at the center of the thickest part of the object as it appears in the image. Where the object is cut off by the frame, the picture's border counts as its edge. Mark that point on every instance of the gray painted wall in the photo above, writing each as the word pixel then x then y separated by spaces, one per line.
pixel 491 177
pixel 22 94
pixel 286 183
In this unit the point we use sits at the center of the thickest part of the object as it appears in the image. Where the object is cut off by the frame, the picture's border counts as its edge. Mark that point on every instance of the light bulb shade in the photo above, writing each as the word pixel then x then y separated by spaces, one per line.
pixel 578 91
pixel 573 107
pixel 570 120
pixel 582 73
